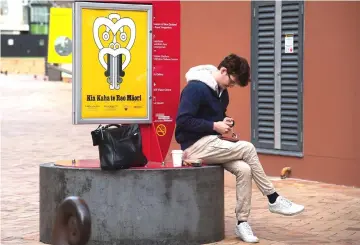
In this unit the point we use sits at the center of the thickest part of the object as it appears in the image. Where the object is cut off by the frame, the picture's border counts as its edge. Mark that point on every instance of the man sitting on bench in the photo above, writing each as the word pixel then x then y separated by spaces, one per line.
pixel 200 123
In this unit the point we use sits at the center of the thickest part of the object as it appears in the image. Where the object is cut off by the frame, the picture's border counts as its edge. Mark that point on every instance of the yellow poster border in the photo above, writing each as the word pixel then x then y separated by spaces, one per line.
pixel 77 62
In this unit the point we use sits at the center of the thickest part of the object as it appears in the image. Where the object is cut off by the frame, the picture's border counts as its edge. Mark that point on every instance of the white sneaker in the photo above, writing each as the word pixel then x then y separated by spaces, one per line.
pixel 285 207
pixel 243 230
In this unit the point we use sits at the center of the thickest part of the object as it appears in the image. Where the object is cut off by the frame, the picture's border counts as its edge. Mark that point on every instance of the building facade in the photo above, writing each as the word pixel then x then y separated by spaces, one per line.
pixel 302 108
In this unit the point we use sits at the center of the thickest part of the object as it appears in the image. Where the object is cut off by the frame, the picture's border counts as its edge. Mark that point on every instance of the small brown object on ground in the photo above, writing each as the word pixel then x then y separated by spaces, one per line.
pixel 285 172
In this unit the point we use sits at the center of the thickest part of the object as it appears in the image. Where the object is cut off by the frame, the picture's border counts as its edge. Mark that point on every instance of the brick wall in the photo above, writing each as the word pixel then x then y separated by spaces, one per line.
pixel 24 66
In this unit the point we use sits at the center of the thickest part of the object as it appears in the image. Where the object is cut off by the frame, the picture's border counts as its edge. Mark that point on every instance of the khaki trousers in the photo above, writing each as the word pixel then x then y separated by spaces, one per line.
pixel 238 158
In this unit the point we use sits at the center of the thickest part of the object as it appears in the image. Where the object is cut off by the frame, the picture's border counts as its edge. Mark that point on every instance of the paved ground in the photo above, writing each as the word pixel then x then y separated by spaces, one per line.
pixel 36 127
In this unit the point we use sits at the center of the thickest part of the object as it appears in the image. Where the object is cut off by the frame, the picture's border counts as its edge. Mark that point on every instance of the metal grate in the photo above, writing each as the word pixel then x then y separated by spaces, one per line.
pixel 265 74
pixel 277 87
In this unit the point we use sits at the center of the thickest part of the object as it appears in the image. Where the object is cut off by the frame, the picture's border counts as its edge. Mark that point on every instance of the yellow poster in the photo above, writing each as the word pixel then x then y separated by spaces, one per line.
pixel 60 36
pixel 114 64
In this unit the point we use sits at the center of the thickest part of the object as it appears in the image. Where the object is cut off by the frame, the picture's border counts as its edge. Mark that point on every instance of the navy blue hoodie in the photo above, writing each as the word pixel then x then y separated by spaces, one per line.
pixel 200 106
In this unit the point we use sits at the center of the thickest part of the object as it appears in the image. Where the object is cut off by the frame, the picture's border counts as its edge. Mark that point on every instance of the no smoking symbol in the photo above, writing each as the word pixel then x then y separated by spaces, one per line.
pixel 161 130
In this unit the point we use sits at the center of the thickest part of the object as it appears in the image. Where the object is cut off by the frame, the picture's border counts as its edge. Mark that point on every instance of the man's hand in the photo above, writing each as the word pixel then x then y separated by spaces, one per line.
pixel 221 127
pixel 229 121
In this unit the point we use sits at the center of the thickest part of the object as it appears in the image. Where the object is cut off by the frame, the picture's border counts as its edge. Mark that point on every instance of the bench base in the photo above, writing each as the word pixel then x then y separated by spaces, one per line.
pixel 151 205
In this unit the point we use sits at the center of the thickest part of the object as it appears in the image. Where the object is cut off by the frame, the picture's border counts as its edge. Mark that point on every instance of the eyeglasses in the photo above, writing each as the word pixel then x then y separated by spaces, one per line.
pixel 232 82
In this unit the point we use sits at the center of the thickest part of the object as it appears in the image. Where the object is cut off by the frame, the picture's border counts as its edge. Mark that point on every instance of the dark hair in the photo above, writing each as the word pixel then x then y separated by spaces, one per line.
pixel 238 67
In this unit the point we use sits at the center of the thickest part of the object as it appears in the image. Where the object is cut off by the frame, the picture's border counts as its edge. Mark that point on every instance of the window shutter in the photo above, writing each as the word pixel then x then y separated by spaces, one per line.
pixel 263 70
pixel 291 77
pixel 276 93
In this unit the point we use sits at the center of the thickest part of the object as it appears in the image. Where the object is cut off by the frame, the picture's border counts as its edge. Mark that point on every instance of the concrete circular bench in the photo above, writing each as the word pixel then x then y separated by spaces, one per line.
pixel 151 205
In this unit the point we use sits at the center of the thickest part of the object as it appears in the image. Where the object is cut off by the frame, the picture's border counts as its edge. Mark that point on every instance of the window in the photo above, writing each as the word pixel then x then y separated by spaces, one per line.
pixel 4 9
pixel 39 14
pixel 277 72
pixel 4 12
pixel 25 19
pixel 39 19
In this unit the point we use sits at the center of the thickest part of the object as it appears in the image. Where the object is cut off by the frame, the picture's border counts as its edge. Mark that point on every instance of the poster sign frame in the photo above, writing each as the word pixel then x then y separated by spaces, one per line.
pixel 77 63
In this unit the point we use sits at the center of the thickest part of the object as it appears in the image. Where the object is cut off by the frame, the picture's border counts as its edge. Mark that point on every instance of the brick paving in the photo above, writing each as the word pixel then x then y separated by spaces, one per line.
pixel 36 128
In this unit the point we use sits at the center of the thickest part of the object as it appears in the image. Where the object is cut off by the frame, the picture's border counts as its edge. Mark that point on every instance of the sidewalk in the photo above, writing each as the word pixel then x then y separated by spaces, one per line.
pixel 331 216
pixel 36 126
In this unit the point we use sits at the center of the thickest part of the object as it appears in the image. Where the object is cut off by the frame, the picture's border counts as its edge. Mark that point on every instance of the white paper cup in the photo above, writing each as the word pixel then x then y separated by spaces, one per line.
pixel 177 157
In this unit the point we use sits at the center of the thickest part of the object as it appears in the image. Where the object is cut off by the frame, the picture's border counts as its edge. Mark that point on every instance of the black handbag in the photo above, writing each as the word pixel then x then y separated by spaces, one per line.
pixel 120 146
